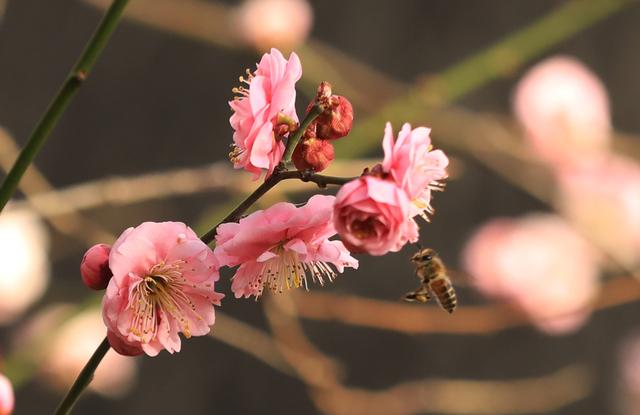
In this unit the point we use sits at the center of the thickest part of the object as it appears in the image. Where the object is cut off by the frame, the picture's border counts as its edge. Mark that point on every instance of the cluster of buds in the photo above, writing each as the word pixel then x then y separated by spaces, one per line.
pixel 315 150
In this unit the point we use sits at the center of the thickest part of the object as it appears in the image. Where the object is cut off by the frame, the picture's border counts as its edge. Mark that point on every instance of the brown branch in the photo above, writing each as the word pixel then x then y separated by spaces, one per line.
pixel 543 394
pixel 270 182
pixel 416 319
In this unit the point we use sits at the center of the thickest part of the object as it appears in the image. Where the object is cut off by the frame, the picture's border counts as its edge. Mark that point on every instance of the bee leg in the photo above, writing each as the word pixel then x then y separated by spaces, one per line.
pixel 421 295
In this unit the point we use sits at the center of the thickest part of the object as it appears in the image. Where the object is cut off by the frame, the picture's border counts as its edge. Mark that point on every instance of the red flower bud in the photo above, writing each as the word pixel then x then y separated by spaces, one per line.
pixel 95 269
pixel 314 154
pixel 337 119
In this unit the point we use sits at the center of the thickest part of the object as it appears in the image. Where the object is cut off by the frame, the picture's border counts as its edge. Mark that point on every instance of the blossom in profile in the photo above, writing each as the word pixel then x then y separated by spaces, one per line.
pixel 283 24
pixel 24 275
pixel 162 285
pixel 282 246
pixel 538 264
pixel 263 112
pixel 372 215
pixel 564 110
pixel 603 200
pixel 414 165
pixel 71 346
pixel 7 399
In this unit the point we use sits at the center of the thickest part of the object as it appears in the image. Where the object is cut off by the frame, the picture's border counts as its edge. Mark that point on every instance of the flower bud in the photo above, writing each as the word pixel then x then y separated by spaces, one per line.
pixel 6 396
pixel 313 154
pixel 336 121
pixel 95 269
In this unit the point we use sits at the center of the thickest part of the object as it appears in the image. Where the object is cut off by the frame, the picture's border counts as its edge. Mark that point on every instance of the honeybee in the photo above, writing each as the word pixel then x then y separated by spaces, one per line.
pixel 434 280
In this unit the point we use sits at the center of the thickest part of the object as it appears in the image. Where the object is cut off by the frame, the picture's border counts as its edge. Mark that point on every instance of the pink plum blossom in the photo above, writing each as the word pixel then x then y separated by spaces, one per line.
pixel 564 110
pixel 371 214
pixel 162 285
pixel 281 23
pixel 271 91
pixel 414 165
pixel 538 264
pixel 603 200
pixel 281 246
pixel 7 399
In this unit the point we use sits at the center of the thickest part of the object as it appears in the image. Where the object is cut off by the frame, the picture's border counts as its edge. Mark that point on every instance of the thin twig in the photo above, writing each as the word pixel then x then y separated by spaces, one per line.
pixel 412 319
pixel 75 79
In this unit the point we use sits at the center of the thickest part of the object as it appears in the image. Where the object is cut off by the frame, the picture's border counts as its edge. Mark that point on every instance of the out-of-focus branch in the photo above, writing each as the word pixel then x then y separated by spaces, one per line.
pixel 68 222
pixel 209 22
pixel 544 394
pixel 250 340
pixel 415 319
pixel 315 368
pixel 62 99
pixel 513 396
pixel 500 59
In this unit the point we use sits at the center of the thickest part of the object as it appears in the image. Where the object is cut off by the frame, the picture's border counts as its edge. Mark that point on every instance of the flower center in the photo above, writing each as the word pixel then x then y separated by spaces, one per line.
pixel 363 229
pixel 161 292
pixel 287 270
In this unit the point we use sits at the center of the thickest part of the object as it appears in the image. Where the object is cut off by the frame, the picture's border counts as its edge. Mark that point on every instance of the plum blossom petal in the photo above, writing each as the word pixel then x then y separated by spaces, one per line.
pixel 280 247
pixel 162 285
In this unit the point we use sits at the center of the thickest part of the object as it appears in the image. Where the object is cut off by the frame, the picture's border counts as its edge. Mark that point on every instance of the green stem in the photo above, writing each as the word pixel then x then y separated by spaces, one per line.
pixel 73 82
pixel 83 379
pixel 295 138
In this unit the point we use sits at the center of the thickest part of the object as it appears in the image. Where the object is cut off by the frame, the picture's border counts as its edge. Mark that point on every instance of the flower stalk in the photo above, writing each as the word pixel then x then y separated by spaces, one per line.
pixel 75 79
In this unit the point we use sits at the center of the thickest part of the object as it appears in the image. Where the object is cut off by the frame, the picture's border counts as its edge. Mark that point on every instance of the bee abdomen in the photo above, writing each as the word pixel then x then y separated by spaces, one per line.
pixel 445 294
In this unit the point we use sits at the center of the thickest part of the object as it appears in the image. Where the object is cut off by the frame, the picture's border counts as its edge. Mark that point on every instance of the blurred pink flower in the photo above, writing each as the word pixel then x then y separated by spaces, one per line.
pixel 282 24
pixel 538 264
pixel 371 214
pixel 413 164
pixel 281 246
pixel 603 199
pixel 24 275
pixel 271 91
pixel 163 284
pixel 564 110
pixel 71 347
pixel 7 398
pixel 94 267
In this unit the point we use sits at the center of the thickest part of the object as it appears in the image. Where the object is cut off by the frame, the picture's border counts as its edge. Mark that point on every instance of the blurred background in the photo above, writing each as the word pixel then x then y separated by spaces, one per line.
pixel 535 101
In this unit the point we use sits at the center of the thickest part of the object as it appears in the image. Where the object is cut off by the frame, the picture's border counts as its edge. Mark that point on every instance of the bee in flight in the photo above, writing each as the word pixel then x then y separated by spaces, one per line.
pixel 434 280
